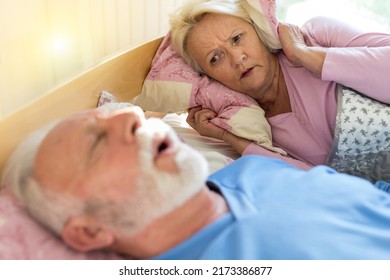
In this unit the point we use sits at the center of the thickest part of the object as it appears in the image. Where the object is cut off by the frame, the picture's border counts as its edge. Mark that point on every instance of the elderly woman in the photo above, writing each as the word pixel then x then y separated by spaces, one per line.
pixel 296 86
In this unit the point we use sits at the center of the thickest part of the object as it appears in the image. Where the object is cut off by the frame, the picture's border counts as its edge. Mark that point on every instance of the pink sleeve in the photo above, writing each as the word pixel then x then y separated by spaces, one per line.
pixel 258 150
pixel 355 59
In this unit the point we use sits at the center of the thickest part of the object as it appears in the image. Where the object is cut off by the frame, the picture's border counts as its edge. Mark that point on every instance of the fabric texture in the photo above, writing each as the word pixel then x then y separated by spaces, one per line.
pixel 21 238
pixel 361 144
pixel 280 212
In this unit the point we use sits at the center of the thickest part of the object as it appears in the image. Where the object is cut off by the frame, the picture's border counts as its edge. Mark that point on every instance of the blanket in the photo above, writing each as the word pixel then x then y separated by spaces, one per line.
pixel 361 144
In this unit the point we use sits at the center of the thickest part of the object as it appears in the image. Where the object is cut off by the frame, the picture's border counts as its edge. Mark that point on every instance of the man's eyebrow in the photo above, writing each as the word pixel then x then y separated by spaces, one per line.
pixel 93 136
pixel 87 145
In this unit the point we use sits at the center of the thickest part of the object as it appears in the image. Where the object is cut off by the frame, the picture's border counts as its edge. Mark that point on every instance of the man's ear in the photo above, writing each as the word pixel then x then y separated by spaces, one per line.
pixel 85 234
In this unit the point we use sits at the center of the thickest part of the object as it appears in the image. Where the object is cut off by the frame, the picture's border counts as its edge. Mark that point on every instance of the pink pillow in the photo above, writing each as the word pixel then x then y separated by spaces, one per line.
pixel 173 86
pixel 21 238
pixel 263 15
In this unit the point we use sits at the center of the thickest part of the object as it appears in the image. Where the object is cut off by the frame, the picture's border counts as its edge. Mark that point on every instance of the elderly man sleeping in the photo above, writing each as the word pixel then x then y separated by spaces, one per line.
pixel 114 180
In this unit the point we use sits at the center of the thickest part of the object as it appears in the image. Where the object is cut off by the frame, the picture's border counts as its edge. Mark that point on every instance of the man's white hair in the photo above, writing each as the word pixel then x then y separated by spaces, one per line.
pixel 49 208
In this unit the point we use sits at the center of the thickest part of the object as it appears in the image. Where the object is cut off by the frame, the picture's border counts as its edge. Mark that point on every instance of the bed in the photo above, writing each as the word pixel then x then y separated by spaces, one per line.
pixel 126 77
pixel 116 81
pixel 151 76
pixel 129 76
pixel 122 75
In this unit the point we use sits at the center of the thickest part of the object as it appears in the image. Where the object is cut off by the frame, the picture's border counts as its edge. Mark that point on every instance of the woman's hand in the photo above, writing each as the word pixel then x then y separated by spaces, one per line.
pixel 297 51
pixel 200 120
pixel 292 41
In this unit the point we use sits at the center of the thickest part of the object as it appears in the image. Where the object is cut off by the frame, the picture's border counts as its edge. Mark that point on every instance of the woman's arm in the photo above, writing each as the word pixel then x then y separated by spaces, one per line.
pixel 339 52
pixel 199 119
pixel 258 150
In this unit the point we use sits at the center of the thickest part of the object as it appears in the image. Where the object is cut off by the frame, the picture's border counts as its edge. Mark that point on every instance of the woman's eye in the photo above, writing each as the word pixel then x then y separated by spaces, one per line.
pixel 217 57
pixel 214 59
pixel 237 38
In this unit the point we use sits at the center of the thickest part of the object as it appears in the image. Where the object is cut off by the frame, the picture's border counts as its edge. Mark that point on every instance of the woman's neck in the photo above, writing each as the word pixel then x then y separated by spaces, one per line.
pixel 177 226
pixel 277 100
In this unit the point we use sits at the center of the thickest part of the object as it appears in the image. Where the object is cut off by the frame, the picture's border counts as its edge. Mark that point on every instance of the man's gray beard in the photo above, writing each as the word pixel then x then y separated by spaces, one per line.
pixel 158 193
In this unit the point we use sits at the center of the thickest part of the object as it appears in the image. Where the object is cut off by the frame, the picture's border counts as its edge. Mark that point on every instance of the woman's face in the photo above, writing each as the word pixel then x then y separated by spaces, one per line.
pixel 228 49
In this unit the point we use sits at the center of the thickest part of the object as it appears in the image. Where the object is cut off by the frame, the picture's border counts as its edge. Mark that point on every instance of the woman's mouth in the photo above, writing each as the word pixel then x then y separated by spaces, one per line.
pixel 246 73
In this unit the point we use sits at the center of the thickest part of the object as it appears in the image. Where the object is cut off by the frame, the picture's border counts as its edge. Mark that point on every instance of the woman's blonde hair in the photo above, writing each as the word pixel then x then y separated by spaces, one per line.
pixel 192 12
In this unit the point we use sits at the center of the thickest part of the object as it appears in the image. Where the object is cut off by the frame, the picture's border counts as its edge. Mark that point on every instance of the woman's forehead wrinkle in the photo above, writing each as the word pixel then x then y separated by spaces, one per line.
pixel 212 32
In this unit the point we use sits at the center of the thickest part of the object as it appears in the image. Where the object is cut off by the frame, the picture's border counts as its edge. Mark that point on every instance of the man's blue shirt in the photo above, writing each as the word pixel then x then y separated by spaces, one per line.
pixel 280 212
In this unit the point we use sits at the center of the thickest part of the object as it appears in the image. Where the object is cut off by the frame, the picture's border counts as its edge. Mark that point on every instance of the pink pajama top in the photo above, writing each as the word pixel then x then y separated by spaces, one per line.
pixel 356 60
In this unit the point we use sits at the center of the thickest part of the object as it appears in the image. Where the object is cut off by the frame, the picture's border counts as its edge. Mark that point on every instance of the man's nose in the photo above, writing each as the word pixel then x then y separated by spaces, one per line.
pixel 122 125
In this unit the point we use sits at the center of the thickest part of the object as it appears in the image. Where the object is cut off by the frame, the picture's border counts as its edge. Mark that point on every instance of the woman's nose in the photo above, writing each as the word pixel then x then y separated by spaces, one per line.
pixel 237 57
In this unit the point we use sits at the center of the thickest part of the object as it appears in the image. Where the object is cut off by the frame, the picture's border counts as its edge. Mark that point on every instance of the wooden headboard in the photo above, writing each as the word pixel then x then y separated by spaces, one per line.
pixel 122 75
